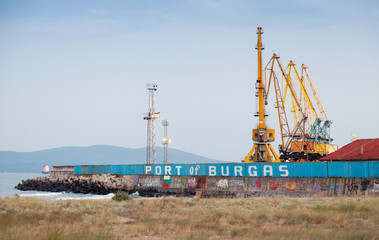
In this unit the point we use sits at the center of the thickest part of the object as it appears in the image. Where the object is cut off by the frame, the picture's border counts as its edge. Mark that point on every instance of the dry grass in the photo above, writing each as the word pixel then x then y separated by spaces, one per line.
pixel 184 218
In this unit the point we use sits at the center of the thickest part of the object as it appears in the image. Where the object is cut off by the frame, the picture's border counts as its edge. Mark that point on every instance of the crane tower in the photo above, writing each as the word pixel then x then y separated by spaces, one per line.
pixel 262 136
pixel 150 117
pixel 165 141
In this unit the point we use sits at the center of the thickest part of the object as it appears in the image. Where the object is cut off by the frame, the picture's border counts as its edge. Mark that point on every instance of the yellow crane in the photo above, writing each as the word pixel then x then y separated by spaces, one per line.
pixel 309 139
pixel 262 150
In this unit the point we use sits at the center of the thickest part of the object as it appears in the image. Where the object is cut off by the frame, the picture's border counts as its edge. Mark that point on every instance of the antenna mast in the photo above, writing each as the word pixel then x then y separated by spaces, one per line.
pixel 150 117
pixel 165 141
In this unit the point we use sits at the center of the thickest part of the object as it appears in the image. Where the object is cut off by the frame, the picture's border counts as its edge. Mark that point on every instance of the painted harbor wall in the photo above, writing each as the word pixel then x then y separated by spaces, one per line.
pixel 249 186
pixel 156 186
pixel 281 170
pixel 244 180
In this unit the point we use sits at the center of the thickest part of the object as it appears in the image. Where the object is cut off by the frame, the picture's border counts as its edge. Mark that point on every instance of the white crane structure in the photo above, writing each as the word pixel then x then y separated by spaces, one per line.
pixel 165 141
pixel 150 116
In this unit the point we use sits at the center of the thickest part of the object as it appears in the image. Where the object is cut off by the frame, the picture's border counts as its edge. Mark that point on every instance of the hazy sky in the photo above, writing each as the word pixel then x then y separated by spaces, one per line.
pixel 74 73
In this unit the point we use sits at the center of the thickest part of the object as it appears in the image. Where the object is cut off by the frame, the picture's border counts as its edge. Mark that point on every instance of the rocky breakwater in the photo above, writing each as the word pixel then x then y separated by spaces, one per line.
pixel 95 184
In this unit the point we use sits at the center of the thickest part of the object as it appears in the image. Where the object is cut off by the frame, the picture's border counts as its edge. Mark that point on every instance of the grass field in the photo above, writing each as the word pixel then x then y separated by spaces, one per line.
pixel 191 218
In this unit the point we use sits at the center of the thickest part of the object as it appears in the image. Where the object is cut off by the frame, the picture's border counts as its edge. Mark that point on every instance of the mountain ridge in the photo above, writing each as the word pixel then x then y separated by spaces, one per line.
pixel 13 161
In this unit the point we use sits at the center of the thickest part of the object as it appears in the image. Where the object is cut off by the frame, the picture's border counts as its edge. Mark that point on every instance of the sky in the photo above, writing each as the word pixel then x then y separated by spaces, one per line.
pixel 74 73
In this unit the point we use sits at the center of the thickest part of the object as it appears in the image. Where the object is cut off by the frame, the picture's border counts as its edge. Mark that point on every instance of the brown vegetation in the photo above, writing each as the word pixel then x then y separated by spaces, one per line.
pixel 191 218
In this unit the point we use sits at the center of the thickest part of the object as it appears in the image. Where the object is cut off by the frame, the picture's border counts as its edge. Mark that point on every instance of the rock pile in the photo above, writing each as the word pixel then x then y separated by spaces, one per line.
pixel 96 184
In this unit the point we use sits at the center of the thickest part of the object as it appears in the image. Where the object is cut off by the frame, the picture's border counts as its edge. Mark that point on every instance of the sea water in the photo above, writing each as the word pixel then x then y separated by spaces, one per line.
pixel 8 181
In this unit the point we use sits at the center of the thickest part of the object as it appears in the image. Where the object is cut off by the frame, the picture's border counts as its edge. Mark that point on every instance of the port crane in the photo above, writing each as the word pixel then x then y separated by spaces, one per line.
pixel 309 139
pixel 262 150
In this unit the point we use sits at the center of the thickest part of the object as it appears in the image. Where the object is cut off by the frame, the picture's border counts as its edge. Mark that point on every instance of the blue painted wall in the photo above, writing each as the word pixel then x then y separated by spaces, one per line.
pixel 300 170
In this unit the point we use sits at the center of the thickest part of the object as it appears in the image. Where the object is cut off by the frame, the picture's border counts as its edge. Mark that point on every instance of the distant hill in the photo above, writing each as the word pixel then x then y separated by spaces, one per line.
pixel 11 161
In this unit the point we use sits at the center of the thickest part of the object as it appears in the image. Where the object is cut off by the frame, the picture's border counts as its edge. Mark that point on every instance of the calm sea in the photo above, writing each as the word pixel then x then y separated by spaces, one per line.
pixel 9 180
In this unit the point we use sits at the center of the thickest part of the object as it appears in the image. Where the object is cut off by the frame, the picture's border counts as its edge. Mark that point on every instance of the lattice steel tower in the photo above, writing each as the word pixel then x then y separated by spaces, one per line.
pixel 150 117
pixel 165 141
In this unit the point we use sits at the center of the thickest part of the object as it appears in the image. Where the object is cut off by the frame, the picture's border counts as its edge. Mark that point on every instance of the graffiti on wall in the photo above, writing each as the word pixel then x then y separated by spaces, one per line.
pixel 320 186
pixel 332 186
pixel 211 182
pixel 259 184
pixel 191 182
pixel 376 187
pixel 256 183
pixel 253 182
pixel 184 182
pixel 236 183
pixel 291 185
pixel 339 188
pixel 150 182
pixel 246 183
pixel 364 185
pixel 303 186
pixel 317 187
pixel 273 185
pixel 222 183
pixel 134 180
pixel 353 188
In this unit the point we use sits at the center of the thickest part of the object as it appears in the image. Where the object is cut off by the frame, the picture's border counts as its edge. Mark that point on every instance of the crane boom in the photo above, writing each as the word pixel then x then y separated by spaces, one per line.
pixel 261 100
pixel 284 127
pixel 303 89
pixel 317 97
pixel 309 139
pixel 291 86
